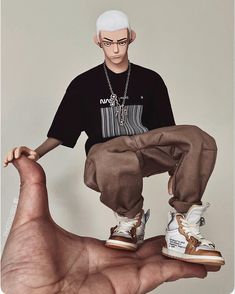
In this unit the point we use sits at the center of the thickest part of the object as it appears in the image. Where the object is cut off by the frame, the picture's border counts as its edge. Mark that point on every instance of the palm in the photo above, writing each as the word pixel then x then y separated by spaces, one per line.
pixel 41 257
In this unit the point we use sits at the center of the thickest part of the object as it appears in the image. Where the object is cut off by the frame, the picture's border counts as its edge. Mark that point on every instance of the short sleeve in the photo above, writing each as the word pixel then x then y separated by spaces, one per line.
pixel 161 103
pixel 67 123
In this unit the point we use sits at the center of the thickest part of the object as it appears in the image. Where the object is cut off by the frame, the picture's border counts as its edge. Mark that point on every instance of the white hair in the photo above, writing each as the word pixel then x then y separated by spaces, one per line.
pixel 112 20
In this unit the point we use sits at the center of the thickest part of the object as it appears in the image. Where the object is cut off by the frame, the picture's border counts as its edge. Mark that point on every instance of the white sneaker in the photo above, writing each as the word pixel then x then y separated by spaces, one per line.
pixel 184 241
pixel 129 233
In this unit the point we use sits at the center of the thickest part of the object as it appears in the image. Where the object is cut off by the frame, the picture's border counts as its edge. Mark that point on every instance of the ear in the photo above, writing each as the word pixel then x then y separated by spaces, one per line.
pixel 132 36
pixel 95 39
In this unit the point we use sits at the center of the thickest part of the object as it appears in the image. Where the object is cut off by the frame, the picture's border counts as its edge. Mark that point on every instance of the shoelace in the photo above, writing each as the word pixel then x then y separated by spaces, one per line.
pixel 193 230
pixel 125 224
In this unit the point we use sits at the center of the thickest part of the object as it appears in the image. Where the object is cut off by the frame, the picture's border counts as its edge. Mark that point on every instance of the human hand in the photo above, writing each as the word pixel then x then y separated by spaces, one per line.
pixel 41 257
pixel 18 151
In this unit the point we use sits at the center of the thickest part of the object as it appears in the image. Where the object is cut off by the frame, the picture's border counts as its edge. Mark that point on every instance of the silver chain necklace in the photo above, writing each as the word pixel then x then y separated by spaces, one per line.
pixel 121 110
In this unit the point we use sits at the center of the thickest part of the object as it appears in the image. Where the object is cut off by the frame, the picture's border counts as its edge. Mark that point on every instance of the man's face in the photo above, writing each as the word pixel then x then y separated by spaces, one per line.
pixel 115 52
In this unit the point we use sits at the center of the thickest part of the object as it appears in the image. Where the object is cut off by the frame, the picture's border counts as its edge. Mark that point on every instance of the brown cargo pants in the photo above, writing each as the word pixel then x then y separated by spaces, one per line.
pixel 116 167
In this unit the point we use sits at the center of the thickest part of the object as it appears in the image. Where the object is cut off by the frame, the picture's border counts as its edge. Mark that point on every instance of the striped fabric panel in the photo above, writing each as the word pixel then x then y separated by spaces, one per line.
pixel 132 126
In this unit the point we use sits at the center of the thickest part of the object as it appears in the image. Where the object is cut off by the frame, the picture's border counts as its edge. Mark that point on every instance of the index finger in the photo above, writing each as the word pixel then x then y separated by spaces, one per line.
pixel 33 198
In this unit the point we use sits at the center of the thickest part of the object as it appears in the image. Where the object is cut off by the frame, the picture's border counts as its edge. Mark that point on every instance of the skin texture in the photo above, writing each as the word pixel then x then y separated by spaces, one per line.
pixel 41 257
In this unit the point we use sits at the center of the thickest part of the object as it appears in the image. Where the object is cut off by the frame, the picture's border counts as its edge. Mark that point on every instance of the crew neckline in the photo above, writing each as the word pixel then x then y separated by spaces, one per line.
pixel 117 73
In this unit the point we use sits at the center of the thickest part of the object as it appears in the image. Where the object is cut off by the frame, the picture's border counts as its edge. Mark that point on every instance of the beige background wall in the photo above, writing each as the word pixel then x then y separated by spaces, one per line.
pixel 189 43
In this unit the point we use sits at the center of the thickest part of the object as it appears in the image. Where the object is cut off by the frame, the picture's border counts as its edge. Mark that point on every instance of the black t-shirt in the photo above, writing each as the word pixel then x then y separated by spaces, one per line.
pixel 85 106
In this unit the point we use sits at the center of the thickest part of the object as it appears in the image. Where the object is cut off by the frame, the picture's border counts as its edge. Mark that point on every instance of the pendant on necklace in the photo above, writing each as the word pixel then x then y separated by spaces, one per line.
pixel 121 112
pixel 125 110
pixel 112 100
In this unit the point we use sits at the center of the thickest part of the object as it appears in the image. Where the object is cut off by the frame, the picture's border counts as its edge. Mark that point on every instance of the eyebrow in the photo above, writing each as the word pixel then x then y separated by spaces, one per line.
pixel 117 40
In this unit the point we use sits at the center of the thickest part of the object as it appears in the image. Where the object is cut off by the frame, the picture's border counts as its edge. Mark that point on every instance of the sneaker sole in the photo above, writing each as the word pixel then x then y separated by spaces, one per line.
pixel 116 244
pixel 207 260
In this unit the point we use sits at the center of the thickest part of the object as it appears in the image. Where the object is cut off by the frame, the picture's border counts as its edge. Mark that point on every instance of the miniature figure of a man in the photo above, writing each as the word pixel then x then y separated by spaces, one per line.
pixel 125 110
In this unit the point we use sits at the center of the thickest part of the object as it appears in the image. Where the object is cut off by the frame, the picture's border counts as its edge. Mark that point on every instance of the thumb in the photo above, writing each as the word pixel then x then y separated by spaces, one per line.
pixel 33 199
pixel 175 269
pixel 158 271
